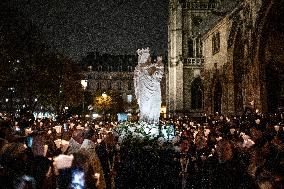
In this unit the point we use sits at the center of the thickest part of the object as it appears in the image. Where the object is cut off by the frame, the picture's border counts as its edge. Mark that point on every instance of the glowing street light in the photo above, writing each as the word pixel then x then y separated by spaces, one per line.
pixel 84 84
pixel 104 95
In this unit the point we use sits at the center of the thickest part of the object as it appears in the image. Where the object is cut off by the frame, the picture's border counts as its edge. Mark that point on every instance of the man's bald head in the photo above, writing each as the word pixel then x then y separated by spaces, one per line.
pixel 78 136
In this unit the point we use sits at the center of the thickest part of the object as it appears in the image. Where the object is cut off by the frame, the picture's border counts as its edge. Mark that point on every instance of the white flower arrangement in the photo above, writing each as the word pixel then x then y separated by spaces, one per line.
pixel 161 141
pixel 140 131
pixel 168 132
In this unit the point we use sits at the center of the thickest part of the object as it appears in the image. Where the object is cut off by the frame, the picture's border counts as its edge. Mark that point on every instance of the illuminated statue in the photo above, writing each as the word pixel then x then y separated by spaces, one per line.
pixel 147 77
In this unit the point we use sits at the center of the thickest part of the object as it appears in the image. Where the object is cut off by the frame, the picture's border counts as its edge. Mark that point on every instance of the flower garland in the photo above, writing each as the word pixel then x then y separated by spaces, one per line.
pixel 143 131
pixel 140 131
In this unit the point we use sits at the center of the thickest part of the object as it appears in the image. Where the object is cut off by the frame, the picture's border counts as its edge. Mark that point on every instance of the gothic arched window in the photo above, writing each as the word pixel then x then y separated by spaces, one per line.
pixel 100 68
pixel 196 94
pixel 198 47
pixel 190 47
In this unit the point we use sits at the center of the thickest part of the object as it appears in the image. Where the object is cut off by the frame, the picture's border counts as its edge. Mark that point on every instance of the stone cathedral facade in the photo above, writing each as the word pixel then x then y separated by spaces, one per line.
pixel 225 56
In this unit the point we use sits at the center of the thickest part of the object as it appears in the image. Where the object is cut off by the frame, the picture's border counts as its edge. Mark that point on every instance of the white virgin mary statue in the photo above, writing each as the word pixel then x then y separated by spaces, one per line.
pixel 147 77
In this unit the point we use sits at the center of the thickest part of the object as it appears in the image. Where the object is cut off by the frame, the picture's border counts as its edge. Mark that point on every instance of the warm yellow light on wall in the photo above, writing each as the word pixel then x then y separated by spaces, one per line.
pixel 163 110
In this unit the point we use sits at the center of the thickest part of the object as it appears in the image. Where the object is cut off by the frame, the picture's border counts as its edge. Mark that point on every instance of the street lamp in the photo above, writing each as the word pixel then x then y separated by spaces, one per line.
pixel 104 95
pixel 84 84
pixel 33 106
pixel 65 112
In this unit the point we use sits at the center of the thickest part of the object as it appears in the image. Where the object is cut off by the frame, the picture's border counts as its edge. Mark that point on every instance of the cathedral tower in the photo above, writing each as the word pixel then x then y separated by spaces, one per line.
pixel 185 88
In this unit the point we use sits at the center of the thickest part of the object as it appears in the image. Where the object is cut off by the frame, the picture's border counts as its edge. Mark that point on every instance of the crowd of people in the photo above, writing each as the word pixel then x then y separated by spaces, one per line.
pixel 47 155
pixel 231 152
pixel 216 152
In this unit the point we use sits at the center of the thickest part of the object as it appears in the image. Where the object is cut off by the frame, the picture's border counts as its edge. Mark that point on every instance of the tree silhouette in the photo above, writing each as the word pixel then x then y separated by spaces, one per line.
pixel 29 73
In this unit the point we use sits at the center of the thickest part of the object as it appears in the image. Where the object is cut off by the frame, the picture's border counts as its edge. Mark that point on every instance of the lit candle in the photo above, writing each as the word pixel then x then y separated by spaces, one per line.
pixel 45 149
pixel 58 128
pixel 97 175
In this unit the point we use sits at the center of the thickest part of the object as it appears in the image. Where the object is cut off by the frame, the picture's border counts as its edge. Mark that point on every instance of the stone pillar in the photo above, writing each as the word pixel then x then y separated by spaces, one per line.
pixel 175 66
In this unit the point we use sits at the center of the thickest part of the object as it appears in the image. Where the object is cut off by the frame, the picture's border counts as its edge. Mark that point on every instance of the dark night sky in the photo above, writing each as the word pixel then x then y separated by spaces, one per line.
pixel 112 26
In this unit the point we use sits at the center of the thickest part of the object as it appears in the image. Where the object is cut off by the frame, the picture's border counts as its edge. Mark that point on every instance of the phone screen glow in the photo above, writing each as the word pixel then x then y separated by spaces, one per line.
pixel 29 142
pixel 78 179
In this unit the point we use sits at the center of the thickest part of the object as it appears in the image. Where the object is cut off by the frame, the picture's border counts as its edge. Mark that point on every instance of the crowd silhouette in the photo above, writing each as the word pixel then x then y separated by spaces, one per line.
pixel 214 152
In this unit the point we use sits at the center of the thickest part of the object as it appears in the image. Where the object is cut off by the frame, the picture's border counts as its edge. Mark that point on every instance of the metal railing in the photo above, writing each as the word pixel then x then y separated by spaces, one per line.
pixel 200 5
pixel 194 62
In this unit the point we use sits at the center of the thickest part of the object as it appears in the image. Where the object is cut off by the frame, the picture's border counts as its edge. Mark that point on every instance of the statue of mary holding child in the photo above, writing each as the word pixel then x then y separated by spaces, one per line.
pixel 147 78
